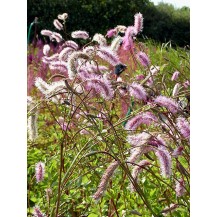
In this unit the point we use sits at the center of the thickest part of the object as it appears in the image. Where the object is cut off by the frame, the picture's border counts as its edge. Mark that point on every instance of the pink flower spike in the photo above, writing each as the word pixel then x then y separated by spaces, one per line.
pixel 108 55
pixel 175 75
pixel 105 179
pixel 165 161
pixel 138 91
pixel 128 38
pixel 46 49
pixel 37 212
pixel 80 34
pixel 143 59
pixel 183 127
pixel 140 77
pixel 138 139
pixel 142 118
pixel 71 44
pixel 46 32
pixel 57 24
pixel 138 23
pixel 186 84
pixel 180 190
pixel 57 37
pixel 111 33
pixel 168 103
pixel 39 171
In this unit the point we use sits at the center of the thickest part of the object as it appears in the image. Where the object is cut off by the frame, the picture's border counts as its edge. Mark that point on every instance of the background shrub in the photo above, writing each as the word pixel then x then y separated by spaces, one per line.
pixel 161 23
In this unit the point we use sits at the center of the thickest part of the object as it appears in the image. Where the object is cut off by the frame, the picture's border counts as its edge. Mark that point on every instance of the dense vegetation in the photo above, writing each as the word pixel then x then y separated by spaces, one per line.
pixel 108 124
pixel 161 23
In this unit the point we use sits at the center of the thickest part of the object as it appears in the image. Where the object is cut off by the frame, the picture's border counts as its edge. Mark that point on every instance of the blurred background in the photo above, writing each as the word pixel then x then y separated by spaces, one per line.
pixel 163 22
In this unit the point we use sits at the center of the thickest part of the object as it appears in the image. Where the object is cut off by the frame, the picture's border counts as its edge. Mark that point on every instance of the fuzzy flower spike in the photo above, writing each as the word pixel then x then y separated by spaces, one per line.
pixel 138 23
pixel 39 171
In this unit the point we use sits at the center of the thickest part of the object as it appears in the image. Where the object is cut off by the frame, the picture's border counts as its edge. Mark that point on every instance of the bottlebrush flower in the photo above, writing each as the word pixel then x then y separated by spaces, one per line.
pixel 57 24
pixel 71 64
pixel 138 23
pixel 54 57
pixel 165 161
pixel 176 89
pixel 142 118
pixel 183 127
pixel 65 53
pixel 186 84
pixel 137 152
pixel 143 59
pixel 138 91
pixel 178 151
pixel 32 123
pixel 80 34
pixel 128 38
pixel 138 139
pixel 180 190
pixel 100 39
pixel 63 16
pixel 71 44
pixel 46 32
pixel 140 77
pixel 60 66
pixel 116 43
pixel 56 86
pixel 57 37
pixel 121 28
pixel 136 170
pixel 37 212
pixel 41 85
pixel 108 55
pixel 154 70
pixel 39 171
pixel 89 50
pixel 175 75
pixel 105 179
pixel 111 33
pixel 46 49
pixel 168 103
pixel 101 86
pixel 156 141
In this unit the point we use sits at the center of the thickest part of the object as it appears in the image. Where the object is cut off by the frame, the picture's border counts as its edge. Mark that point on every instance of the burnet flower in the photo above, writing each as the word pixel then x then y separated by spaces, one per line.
pixel 143 59
pixel 63 16
pixel 110 33
pixel 105 179
pixel 71 44
pixel 100 39
pixel 165 161
pixel 108 55
pixel 136 170
pixel 138 91
pixel 80 34
pixel 180 190
pixel 183 127
pixel 39 171
pixel 37 212
pixel 57 24
pixel 175 76
pixel 46 49
pixel 142 118
pixel 138 22
pixel 168 103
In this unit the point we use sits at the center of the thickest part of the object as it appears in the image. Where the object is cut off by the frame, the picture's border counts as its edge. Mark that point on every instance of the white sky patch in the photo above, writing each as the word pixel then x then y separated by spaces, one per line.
pixel 175 3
